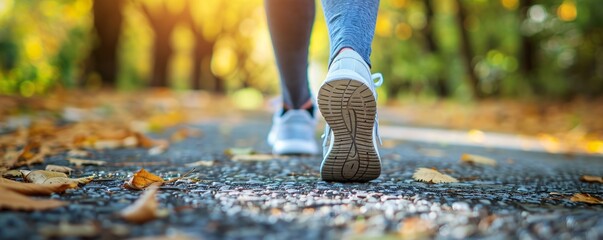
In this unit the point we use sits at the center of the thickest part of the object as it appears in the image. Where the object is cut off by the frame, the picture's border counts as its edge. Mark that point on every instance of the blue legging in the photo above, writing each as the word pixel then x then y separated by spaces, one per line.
pixel 351 24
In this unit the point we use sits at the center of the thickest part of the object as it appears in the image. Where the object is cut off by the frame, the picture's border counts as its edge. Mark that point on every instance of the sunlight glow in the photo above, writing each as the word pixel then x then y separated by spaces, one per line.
pixel 567 11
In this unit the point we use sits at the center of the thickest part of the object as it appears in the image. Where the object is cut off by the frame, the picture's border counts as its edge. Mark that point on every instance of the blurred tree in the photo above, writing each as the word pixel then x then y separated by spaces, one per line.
pixel 163 20
pixel 441 87
pixel 467 51
pixel 107 20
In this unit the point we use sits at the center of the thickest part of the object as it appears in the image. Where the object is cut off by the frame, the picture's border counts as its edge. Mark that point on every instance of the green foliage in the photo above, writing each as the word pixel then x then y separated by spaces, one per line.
pixel 550 49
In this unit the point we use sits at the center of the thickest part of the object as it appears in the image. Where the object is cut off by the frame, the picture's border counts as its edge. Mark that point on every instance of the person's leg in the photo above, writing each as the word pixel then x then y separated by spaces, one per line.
pixel 290 24
pixel 351 24
pixel 347 98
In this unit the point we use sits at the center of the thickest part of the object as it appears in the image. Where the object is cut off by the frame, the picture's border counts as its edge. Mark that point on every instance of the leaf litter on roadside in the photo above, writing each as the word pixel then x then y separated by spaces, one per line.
pixel 16 201
pixel 432 176
pixel 65 229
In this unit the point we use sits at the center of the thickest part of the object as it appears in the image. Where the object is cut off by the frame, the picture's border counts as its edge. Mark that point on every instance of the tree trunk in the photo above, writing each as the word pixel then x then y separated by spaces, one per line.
pixel 107 21
pixel 162 51
pixel 527 55
pixel 467 53
pixel 441 86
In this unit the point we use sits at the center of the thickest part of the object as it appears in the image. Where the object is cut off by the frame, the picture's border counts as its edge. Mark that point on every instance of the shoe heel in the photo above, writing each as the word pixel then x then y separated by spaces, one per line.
pixel 349 108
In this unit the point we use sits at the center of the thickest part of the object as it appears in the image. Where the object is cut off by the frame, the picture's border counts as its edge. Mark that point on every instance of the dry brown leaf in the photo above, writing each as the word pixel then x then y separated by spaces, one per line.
pixel 591 179
pixel 65 180
pixel 586 198
pixel 57 168
pixel 15 201
pixel 204 163
pixel 145 208
pixel 65 229
pixel 431 152
pixel 160 147
pixel 142 179
pixel 477 159
pixel 12 174
pixel 252 157
pixel 33 189
pixel 80 162
pixel 31 153
pixel 39 176
pixel 78 153
pixel 416 228
pixel 239 151
pixel 144 141
pixel 50 177
pixel 184 133
pixel 432 176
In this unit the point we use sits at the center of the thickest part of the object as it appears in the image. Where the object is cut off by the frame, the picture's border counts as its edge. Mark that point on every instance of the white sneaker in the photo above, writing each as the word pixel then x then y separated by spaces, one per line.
pixel 293 132
pixel 348 102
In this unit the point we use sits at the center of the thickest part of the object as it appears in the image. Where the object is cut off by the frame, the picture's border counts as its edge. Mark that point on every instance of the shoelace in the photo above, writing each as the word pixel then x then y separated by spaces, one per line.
pixel 326 136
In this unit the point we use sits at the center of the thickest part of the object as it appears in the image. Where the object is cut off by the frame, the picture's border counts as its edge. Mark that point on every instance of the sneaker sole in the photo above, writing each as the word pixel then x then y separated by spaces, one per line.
pixel 349 108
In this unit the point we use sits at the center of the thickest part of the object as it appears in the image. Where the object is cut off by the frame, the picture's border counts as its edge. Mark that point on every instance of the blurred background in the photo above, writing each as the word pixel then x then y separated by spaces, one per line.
pixel 460 49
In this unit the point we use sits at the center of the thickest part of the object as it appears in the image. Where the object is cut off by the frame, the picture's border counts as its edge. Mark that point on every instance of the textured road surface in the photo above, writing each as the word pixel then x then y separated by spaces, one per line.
pixel 526 196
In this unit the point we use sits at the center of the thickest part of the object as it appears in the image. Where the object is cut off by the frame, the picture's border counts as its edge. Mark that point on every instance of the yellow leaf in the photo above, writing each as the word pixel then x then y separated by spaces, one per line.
pixel 15 201
pixel 80 162
pixel 65 180
pixel 432 176
pixel 142 179
pixel 591 179
pixel 477 159
pixel 586 198
pixel 145 208
pixel 239 151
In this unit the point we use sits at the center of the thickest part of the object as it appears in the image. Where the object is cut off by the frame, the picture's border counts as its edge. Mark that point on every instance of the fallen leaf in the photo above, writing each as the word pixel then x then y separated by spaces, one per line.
pixel 416 228
pixel 78 153
pixel 184 133
pixel 65 180
pixel 205 163
pixel 161 147
pixel 39 176
pixel 32 153
pixel 586 198
pixel 33 189
pixel 50 177
pixel 239 151
pixel 15 201
pixel 12 174
pixel 57 168
pixel 388 144
pixel 591 179
pixel 80 162
pixel 144 141
pixel 431 152
pixel 432 176
pixel 142 179
pixel 477 159
pixel 65 229
pixel 145 208
pixel 252 157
